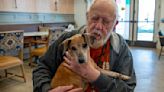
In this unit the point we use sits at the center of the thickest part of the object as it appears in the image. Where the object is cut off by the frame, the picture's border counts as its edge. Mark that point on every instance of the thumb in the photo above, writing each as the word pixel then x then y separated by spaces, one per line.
pixel 66 88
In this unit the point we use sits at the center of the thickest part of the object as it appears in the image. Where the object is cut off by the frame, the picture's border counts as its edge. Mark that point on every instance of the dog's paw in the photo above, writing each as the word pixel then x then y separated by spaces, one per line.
pixel 124 77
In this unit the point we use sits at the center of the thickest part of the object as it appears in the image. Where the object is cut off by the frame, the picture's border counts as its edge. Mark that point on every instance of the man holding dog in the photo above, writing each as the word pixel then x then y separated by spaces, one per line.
pixel 108 50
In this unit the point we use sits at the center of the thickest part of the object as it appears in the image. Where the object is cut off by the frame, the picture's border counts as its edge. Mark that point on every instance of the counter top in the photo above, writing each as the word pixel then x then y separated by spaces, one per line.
pixel 35 33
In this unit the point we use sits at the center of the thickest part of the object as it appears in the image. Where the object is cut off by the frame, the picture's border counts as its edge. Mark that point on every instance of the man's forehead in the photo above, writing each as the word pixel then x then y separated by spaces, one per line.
pixel 100 14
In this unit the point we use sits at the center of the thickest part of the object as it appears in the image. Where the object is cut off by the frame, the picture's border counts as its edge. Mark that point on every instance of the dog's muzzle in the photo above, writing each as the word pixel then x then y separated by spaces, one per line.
pixel 81 60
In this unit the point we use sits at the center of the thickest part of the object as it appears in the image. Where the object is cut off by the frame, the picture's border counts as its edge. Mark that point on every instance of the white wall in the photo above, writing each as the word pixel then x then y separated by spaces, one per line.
pixel 80 12
pixel 162 15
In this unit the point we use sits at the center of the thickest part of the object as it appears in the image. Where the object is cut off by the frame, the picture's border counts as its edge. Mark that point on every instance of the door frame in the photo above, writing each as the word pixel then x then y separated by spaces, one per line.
pixel 134 25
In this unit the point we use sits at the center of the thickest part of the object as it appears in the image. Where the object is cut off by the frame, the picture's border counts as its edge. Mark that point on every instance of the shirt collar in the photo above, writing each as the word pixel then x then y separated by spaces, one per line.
pixel 114 39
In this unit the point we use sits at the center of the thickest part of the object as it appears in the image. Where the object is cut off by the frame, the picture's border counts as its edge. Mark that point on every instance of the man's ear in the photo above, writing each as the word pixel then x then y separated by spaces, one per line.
pixel 65 45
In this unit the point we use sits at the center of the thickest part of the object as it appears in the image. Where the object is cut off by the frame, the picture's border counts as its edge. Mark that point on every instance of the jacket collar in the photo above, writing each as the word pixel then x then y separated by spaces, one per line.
pixel 115 41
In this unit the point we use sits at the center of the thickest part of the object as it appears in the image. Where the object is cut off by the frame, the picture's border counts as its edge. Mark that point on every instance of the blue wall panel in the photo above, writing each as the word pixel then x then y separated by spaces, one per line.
pixel 29 18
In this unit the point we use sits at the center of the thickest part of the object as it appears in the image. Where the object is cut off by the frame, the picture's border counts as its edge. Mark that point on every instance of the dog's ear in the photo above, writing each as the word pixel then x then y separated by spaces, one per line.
pixel 86 37
pixel 65 45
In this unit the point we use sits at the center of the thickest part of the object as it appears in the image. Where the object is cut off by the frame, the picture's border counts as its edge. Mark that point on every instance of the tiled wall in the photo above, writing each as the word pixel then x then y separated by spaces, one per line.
pixel 29 18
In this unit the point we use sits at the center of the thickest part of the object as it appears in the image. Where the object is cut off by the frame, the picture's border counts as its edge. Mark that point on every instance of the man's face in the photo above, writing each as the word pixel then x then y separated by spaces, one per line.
pixel 100 23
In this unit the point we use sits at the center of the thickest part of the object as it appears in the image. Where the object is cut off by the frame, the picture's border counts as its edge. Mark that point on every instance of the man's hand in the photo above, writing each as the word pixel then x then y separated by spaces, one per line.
pixel 66 89
pixel 86 70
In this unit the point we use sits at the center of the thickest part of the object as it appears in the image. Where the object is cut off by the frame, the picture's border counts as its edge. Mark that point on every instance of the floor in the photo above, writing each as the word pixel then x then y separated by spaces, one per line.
pixel 149 72
pixel 17 84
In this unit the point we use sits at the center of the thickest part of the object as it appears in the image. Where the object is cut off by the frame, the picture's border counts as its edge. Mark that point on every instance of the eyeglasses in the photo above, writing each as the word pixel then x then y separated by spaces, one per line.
pixel 104 21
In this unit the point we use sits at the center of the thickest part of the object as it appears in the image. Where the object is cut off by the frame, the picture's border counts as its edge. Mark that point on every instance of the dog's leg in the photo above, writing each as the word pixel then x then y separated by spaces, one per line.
pixel 114 74
pixel 111 73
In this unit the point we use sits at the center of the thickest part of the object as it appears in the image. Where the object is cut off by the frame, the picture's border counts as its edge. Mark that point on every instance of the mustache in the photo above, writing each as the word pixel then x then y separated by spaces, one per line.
pixel 97 32
pixel 94 34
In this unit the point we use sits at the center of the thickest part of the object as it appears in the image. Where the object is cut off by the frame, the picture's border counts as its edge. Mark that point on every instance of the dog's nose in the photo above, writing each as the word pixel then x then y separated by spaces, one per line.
pixel 81 60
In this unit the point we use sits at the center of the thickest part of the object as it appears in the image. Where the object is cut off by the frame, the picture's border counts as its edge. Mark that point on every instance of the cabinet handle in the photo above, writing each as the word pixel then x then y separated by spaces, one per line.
pixel 16 6
pixel 56 7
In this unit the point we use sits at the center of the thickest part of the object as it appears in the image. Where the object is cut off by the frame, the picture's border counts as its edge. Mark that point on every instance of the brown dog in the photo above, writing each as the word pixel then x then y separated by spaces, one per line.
pixel 78 47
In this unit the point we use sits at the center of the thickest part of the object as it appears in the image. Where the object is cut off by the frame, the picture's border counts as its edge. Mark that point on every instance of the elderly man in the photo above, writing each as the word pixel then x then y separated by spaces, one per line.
pixel 111 52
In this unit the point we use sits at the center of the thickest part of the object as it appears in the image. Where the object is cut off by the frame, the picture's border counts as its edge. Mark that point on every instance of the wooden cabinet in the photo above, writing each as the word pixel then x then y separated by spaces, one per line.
pixel 7 5
pixel 38 6
pixel 70 8
pixel 26 5
pixel 55 6
pixel 44 6
pixel 65 6
pixel 17 5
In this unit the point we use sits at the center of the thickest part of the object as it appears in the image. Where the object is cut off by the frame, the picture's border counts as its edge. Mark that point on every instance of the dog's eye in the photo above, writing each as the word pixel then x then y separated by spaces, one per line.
pixel 73 48
pixel 84 45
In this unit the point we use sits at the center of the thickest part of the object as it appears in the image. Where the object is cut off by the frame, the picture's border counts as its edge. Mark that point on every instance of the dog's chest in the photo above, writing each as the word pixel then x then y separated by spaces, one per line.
pixel 64 77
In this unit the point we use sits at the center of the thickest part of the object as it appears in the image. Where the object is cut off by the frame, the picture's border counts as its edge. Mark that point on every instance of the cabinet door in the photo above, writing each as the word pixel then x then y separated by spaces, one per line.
pixel 26 5
pixel 44 6
pixel 7 5
pixel 61 6
pixel 65 6
pixel 30 5
pixel 17 5
pixel 1 5
pixel 41 6
pixel 70 6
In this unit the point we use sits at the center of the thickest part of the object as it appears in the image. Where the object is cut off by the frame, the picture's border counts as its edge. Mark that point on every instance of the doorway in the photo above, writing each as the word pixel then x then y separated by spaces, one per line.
pixel 136 21
pixel 145 25
pixel 122 27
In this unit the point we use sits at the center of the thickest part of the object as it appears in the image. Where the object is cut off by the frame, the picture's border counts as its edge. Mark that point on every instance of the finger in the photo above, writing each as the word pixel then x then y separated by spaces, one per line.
pixel 66 88
pixel 76 90
pixel 66 65
pixel 67 60
pixel 68 55
pixel 62 88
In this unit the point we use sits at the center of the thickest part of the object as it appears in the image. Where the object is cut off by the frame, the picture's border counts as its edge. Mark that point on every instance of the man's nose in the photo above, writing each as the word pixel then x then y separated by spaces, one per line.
pixel 99 24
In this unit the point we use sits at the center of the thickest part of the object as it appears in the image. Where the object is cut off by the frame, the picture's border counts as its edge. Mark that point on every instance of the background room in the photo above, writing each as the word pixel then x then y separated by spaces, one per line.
pixel 33 25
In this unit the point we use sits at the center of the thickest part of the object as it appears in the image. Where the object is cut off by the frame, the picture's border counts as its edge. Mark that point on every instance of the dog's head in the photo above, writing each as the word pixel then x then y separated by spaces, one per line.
pixel 78 47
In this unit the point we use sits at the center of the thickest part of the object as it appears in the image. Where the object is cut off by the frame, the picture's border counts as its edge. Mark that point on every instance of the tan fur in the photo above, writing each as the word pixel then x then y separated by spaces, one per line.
pixel 64 76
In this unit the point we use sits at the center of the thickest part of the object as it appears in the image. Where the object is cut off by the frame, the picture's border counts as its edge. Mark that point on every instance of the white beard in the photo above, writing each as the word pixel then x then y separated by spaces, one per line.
pixel 104 38
pixel 98 43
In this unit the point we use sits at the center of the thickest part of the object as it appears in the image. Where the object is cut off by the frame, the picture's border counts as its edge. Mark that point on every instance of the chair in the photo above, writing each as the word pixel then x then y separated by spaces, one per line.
pixel 11 53
pixel 40 45
pixel 55 33
pixel 44 43
pixel 161 39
